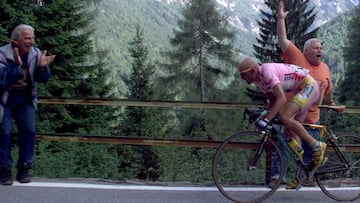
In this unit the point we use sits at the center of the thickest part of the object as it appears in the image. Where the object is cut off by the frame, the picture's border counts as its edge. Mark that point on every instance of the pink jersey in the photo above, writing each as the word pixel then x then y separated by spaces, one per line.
pixel 290 76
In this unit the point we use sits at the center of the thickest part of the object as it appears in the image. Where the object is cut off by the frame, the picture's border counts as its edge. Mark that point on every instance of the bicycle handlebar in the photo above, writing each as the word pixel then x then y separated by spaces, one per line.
pixel 252 113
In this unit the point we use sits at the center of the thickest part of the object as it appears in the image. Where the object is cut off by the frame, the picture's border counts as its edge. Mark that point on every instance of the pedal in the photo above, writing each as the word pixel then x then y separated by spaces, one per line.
pixel 302 175
pixel 312 172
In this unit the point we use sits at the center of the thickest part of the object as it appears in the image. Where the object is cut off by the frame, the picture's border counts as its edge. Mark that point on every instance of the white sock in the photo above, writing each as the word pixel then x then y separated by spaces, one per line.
pixel 317 146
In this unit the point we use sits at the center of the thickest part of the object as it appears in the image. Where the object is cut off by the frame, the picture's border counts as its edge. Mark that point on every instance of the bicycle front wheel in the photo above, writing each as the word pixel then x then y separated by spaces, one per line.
pixel 339 178
pixel 234 173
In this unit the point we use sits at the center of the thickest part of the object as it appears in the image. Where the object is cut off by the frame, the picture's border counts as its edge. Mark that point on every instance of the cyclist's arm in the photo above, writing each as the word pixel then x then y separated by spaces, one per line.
pixel 279 100
pixel 271 97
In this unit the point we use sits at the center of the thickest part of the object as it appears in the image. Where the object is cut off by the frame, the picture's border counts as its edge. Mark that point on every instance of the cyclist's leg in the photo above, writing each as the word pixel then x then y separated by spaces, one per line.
pixel 315 133
pixel 307 157
pixel 318 147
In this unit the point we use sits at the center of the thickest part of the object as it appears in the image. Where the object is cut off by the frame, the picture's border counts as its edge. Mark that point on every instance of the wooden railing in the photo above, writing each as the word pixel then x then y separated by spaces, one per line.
pixel 145 140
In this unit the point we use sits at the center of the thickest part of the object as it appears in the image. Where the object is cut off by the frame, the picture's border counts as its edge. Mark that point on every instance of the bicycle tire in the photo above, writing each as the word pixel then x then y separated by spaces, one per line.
pixel 230 168
pixel 333 178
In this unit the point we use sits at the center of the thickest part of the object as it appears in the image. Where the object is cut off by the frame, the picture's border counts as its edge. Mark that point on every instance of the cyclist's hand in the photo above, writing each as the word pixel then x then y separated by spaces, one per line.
pixel 263 123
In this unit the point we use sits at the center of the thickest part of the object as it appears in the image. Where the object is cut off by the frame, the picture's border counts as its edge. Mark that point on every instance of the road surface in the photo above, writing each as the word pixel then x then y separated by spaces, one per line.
pixel 99 191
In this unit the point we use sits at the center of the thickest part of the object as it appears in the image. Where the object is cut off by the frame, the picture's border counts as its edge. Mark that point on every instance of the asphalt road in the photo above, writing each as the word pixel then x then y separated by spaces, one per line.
pixel 98 191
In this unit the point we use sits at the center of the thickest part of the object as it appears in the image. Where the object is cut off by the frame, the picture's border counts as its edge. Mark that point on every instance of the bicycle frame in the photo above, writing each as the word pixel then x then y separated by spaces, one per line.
pixel 324 132
pixel 268 134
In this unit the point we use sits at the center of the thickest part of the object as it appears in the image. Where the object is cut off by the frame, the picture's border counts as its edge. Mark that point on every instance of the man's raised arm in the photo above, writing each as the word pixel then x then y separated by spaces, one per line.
pixel 281 26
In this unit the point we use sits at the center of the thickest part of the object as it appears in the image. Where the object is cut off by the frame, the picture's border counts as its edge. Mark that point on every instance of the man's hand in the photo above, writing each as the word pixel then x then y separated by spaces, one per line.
pixel 281 13
pixel 335 107
pixel 17 57
pixel 263 123
pixel 332 106
pixel 45 60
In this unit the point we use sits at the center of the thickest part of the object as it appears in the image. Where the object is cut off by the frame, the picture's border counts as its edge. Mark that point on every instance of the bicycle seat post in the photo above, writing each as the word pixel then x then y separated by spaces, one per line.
pixel 326 116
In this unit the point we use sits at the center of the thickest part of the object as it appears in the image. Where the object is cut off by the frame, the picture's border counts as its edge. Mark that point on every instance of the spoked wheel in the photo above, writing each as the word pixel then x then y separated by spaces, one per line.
pixel 233 173
pixel 337 179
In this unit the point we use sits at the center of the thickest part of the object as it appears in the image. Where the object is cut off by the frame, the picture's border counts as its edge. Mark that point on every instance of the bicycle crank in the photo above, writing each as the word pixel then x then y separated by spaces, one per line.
pixel 303 176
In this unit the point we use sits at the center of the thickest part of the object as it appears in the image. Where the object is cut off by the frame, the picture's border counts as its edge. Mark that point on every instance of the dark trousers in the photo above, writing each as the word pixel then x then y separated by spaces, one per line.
pixel 20 110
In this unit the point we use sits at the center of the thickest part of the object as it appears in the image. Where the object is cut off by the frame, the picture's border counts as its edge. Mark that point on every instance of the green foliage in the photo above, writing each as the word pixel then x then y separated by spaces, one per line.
pixel 341 123
pixel 140 84
pixel 333 35
pixel 201 59
pixel 54 160
pixel 77 71
pixel 349 93
pixel 139 121
pixel 185 163
pixel 267 48
pixel 115 23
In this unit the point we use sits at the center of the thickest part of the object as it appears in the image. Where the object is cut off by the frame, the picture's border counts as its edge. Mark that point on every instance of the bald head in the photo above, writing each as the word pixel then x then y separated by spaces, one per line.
pixel 249 70
pixel 247 64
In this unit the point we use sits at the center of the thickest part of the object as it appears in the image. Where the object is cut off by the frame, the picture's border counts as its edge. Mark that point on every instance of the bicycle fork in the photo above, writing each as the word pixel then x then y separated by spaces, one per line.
pixel 259 151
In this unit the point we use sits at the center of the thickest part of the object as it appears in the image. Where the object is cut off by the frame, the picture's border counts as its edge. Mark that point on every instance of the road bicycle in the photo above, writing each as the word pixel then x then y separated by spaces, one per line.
pixel 242 164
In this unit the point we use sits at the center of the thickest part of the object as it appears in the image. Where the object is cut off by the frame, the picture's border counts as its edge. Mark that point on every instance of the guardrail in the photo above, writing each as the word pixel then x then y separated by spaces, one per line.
pixel 144 141
pixel 151 103
pixel 159 103
pixel 138 103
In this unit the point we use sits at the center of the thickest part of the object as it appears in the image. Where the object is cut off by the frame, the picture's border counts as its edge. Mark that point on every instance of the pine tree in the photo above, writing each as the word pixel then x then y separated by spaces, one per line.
pixel 140 121
pixel 202 52
pixel 201 59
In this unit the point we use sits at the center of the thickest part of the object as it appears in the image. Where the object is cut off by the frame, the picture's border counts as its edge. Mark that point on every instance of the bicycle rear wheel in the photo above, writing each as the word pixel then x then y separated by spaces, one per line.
pixel 336 179
pixel 232 173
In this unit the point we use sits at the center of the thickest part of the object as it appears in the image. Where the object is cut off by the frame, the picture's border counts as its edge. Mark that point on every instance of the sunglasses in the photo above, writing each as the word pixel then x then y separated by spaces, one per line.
pixel 242 73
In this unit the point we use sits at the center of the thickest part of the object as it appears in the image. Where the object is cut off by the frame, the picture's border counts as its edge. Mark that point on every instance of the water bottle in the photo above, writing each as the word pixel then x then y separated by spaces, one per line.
pixel 295 146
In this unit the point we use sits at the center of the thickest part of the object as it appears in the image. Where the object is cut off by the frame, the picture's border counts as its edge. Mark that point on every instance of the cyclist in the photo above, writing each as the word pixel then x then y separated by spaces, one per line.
pixel 274 79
